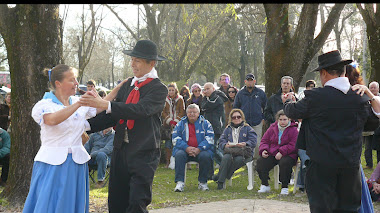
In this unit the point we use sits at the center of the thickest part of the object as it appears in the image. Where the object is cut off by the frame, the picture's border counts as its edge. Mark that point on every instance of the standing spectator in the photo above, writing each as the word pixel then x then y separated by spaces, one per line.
pixel 185 93
pixel 196 95
pixel 278 146
pixel 5 112
pixel 224 81
pixel 310 84
pixel 333 118
pixel 274 103
pixel 193 141
pixel 228 105
pixel 136 112
pixel 173 111
pixel 252 100
pixel 99 147
pixel 213 110
pixel 91 85
pixel 238 133
pixel 5 148
pixel 374 88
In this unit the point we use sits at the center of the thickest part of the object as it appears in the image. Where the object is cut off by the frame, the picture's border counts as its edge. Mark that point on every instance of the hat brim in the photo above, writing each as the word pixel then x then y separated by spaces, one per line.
pixel 131 53
pixel 343 62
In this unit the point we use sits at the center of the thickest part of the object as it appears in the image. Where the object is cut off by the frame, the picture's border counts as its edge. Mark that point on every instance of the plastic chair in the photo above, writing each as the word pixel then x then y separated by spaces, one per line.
pixel 250 176
pixel 276 174
pixel 191 163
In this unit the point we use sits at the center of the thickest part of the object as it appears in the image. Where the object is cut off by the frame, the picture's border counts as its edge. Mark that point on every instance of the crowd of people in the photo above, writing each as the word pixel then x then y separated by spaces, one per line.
pixel 220 128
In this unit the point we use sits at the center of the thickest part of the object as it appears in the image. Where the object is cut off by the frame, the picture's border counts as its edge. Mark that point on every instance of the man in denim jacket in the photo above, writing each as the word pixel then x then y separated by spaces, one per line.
pixel 100 146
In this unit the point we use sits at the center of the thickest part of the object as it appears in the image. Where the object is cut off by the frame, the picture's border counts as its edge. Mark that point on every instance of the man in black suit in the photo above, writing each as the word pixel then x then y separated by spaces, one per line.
pixel 331 131
pixel 136 113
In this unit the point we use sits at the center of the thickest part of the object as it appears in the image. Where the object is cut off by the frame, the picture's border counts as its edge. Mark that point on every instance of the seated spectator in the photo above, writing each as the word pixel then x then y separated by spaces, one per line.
pixel 228 105
pixel 374 184
pixel 173 111
pixel 193 140
pixel 278 146
pixel 99 147
pixel 238 133
pixel 5 148
pixel 185 93
pixel 196 95
pixel 5 117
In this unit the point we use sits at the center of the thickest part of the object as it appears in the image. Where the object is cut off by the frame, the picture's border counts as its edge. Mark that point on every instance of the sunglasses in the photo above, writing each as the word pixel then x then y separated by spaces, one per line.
pixel 231 91
pixel 236 117
pixel 196 90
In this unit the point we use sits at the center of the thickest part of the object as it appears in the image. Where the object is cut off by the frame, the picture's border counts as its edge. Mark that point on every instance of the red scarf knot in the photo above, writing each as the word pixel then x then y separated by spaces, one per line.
pixel 133 98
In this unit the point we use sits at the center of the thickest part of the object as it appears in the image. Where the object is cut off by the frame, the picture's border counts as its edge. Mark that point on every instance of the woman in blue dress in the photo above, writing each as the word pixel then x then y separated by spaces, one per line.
pixel 60 172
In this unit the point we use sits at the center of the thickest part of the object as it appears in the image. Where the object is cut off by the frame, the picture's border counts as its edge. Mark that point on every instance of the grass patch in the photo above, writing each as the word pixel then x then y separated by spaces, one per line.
pixel 164 195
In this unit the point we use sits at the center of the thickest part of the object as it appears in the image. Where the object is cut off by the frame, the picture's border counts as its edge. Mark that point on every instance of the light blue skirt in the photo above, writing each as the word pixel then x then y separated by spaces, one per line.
pixel 366 205
pixel 58 189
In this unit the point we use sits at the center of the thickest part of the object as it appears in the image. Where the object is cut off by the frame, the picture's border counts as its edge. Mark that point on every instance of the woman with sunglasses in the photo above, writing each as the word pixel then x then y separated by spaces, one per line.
pixel 196 95
pixel 228 105
pixel 278 146
pixel 238 133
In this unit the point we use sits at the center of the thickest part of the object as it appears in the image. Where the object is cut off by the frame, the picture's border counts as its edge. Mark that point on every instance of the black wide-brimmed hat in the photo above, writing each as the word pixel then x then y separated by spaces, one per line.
pixel 331 59
pixel 145 49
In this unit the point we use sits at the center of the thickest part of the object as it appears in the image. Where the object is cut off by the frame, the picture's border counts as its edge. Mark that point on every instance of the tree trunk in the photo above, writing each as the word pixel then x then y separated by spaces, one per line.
pixel 371 18
pixel 32 36
pixel 291 56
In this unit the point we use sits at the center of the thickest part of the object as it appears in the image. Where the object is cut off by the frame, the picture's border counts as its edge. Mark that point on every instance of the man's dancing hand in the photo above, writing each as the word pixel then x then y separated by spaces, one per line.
pixel 92 99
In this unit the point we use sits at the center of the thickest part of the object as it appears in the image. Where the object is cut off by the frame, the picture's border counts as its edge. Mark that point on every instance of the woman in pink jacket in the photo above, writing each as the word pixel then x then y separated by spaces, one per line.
pixel 278 146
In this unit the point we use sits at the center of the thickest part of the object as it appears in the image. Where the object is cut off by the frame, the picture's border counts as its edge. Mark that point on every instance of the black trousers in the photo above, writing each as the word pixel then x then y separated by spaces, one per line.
pixel 131 178
pixel 264 165
pixel 332 189
pixel 368 141
pixel 5 168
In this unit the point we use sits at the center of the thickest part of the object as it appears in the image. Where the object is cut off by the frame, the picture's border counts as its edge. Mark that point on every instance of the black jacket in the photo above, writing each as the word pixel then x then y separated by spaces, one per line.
pixel 274 104
pixel 332 125
pixel 145 134
pixel 213 110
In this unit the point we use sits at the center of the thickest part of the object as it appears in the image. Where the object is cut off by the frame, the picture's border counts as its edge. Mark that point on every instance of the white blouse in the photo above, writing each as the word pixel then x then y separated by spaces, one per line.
pixel 59 140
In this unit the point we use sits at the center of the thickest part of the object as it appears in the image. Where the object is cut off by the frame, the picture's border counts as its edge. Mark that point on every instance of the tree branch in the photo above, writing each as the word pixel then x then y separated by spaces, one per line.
pixel 212 39
pixel 122 22
pixel 327 27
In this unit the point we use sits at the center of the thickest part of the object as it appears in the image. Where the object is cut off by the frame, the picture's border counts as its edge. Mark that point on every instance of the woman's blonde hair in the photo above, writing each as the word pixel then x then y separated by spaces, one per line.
pixel 236 110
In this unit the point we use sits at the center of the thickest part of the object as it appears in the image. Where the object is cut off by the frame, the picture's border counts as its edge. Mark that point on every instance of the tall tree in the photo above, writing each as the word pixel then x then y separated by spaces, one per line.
pixel 372 19
pixel 32 37
pixel 86 40
pixel 291 55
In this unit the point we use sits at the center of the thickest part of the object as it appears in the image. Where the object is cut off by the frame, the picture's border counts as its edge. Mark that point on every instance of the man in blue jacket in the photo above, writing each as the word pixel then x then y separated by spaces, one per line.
pixel 252 100
pixel 193 140
pixel 5 148
pixel 100 146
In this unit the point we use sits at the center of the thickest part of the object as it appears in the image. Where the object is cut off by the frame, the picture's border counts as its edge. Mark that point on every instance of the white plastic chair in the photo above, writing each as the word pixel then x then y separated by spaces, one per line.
pixel 276 174
pixel 250 176
pixel 191 163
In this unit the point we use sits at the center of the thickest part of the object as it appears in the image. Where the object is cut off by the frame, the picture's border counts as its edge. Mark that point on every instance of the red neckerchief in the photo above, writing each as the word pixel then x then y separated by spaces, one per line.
pixel 133 98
